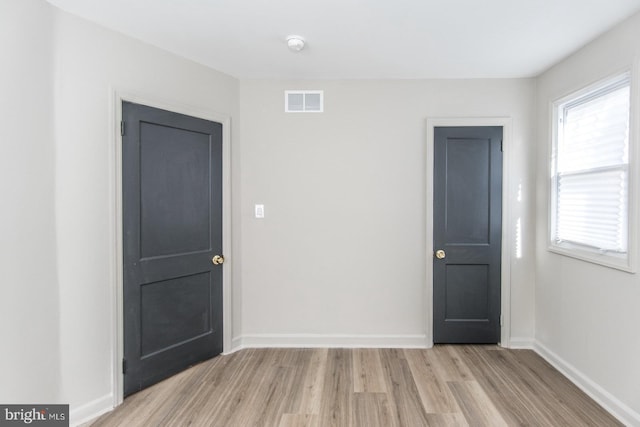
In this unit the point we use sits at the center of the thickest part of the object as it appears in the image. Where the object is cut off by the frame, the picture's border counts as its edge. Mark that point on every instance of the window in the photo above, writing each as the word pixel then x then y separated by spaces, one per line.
pixel 590 174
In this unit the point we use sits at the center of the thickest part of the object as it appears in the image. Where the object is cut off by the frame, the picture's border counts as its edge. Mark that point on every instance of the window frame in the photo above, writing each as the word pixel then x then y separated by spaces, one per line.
pixel 627 261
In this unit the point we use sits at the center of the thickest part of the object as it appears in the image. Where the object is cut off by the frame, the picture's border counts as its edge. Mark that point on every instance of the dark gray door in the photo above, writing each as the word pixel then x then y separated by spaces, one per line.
pixel 172 224
pixel 467 234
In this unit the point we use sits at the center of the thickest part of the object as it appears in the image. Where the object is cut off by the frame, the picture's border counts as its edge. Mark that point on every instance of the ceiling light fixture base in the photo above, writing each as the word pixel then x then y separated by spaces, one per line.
pixel 295 43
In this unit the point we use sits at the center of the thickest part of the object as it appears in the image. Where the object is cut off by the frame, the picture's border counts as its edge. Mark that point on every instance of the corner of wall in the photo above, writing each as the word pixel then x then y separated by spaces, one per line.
pixel 90 410
pixel 607 400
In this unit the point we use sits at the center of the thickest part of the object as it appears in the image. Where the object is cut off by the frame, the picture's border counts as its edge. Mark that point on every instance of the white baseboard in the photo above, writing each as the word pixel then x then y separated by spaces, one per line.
pixel 520 343
pixel 90 410
pixel 618 409
pixel 328 341
pixel 236 344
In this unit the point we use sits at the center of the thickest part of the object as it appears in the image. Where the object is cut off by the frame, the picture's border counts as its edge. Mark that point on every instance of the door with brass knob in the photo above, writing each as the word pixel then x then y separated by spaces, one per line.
pixel 467 238
pixel 172 228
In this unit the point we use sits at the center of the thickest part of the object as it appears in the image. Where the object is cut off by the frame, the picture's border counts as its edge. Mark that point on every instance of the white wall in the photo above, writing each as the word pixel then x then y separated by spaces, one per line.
pixel 89 63
pixel 342 250
pixel 30 350
pixel 587 316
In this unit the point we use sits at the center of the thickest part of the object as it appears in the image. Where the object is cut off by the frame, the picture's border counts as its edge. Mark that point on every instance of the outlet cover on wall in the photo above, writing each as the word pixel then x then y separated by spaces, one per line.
pixel 259 211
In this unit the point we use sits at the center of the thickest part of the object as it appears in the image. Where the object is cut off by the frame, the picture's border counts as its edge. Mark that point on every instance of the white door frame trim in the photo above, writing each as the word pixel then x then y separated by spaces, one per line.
pixel 115 231
pixel 508 230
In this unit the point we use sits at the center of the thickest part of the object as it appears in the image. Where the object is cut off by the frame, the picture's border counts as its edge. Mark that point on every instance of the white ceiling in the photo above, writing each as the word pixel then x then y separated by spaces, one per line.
pixel 361 39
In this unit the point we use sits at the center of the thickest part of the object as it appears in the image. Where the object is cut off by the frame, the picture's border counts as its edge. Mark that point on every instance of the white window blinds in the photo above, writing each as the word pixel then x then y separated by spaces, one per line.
pixel 591 168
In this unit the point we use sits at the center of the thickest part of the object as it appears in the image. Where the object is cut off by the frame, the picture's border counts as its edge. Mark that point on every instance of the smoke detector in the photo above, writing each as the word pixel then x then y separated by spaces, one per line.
pixel 295 43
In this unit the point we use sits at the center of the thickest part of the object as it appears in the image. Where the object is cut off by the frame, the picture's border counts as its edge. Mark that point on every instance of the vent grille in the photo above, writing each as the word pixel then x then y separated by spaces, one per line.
pixel 303 101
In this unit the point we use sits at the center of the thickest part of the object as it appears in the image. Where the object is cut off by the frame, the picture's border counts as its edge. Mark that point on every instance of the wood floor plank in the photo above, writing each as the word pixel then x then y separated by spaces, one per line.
pixel 406 403
pixel 447 420
pixel 476 406
pixel 449 365
pixel 268 410
pixel 299 420
pixel 372 410
pixel 335 409
pixel 272 395
pixel 514 409
pixel 299 362
pixel 206 393
pixel 434 393
pixel 313 383
pixel 241 384
pixel 367 371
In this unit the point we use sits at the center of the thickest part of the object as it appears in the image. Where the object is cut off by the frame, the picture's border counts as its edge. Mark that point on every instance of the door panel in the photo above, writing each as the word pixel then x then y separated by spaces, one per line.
pixel 172 224
pixel 175 206
pixel 163 322
pixel 464 302
pixel 467 176
pixel 468 228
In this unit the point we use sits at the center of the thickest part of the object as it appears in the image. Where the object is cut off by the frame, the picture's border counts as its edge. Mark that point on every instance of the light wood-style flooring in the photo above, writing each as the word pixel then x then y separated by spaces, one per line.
pixel 442 386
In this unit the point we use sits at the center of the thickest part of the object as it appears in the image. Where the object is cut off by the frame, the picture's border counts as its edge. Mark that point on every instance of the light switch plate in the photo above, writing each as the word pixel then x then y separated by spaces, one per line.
pixel 259 211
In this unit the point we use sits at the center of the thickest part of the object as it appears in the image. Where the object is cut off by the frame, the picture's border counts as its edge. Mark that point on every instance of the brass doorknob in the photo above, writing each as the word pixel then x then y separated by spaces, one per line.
pixel 440 254
pixel 217 260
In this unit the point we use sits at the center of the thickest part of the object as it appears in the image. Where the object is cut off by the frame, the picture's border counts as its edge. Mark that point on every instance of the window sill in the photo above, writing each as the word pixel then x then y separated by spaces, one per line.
pixel 618 262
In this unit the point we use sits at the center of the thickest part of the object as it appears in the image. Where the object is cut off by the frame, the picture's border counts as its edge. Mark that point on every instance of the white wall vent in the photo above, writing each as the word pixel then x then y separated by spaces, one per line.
pixel 303 101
